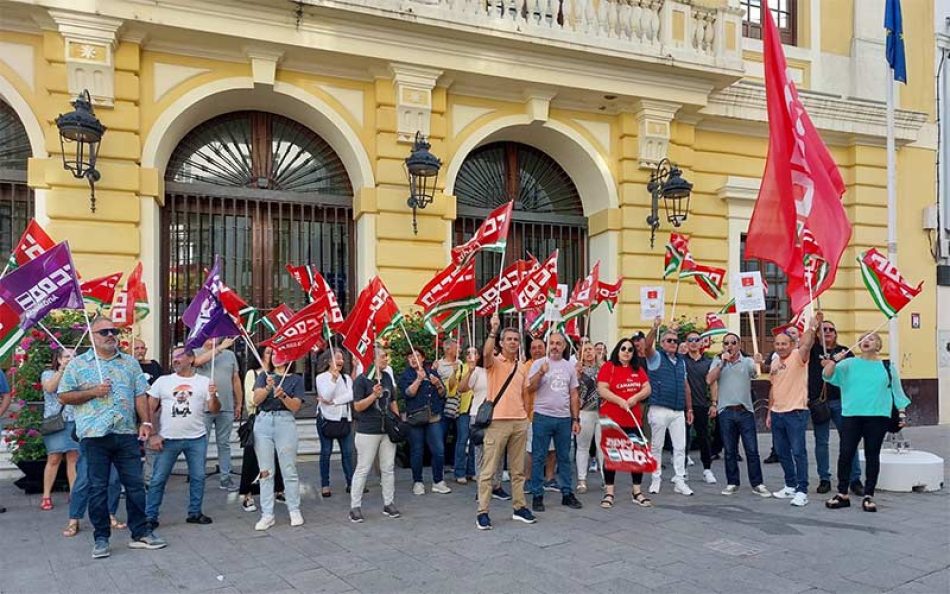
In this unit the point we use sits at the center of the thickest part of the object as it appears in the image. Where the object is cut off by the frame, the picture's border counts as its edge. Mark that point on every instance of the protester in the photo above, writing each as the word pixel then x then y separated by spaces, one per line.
pixel 869 389
pixel 249 467
pixel 475 381
pixel 455 414
pixel 278 396
pixel 185 398
pixel 509 427
pixel 424 394
pixel 826 347
pixel 107 389
pixel 600 352
pixel 697 368
pixel 623 386
pixel 730 377
pixel 334 423
pixel 587 369
pixel 793 334
pixel 670 403
pixel 553 381
pixel 788 414
pixel 227 378
pixel 59 444
pixel 150 367
pixel 372 395
pixel 536 352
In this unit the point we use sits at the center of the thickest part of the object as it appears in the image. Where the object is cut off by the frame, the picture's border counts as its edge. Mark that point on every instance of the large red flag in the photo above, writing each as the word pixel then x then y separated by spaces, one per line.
pixel 609 293
pixel 299 335
pixel 492 235
pixel 33 243
pixel 801 187
pixel 532 292
pixel 275 319
pixel 450 292
pixel 498 292
pixel 99 292
pixel 131 303
pixel 375 313
pixel 317 288
pixel 585 291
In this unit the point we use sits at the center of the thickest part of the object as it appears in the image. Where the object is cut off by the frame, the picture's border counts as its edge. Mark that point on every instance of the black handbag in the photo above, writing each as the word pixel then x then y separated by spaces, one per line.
pixel 396 428
pixel 483 416
pixel 333 429
pixel 819 409
pixel 53 423
pixel 894 424
pixel 246 432
pixel 419 417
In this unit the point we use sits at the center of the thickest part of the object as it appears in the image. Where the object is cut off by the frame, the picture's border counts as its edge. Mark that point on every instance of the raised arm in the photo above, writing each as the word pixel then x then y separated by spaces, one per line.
pixel 649 343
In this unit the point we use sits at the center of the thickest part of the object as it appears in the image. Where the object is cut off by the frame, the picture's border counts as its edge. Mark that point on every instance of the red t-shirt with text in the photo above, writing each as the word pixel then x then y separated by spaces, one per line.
pixel 624 382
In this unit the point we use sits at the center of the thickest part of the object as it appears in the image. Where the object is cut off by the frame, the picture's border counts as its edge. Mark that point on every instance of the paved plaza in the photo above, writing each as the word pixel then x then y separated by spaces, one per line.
pixel 705 543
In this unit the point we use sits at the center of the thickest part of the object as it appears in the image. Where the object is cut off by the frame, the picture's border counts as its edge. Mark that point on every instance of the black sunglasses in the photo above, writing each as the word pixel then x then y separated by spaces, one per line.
pixel 673 340
pixel 729 342
pixel 626 349
pixel 108 332
pixel 693 339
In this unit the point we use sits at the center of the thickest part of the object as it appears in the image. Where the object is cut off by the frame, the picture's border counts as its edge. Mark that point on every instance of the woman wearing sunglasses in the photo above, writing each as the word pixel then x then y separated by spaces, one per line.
pixel 623 385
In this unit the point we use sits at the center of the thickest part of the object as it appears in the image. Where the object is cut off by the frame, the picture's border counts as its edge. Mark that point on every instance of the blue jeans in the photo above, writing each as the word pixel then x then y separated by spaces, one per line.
pixel 195 451
pixel 429 435
pixel 543 429
pixel 822 436
pixel 218 427
pixel 733 425
pixel 464 454
pixel 346 457
pixel 277 431
pixel 122 452
pixel 788 437
pixel 79 495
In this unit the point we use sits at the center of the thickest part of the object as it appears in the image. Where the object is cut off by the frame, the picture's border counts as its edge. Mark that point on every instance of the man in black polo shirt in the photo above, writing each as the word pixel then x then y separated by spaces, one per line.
pixel 827 349
pixel 697 367
pixel 150 367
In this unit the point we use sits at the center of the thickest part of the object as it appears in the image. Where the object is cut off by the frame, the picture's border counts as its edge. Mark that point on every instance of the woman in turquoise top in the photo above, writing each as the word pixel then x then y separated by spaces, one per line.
pixel 59 444
pixel 868 390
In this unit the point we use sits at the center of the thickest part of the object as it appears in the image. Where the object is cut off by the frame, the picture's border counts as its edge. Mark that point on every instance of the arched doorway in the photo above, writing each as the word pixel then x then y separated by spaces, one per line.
pixel 16 197
pixel 548 212
pixel 261 191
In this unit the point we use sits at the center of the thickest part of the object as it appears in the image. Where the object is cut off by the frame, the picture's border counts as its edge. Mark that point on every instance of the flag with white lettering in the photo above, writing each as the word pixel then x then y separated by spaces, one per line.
pixel 609 293
pixel 205 315
pixel 498 292
pixel 889 290
pixel 677 250
pixel 451 290
pixel 99 292
pixel 33 242
pixel 375 314
pixel 317 288
pixel 535 288
pixel 623 453
pixel 275 319
pixel 131 303
pixel 299 335
pixel 41 285
pixel 491 236
pixel 714 326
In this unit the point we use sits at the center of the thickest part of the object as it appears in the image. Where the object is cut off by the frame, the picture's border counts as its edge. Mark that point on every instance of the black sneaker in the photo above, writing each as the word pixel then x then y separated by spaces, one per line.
pixel 772 459
pixel 523 515
pixel 570 501
pixel 483 522
pixel 857 488
pixel 390 511
pixel 537 504
pixel 823 486
pixel 198 519
pixel 501 494
pixel 356 515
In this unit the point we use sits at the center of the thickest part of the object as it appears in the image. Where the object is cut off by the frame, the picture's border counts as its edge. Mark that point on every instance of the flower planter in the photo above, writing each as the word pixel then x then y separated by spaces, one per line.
pixel 32 482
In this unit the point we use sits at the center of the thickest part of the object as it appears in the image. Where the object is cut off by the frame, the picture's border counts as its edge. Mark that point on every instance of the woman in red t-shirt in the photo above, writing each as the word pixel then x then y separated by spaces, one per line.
pixel 622 384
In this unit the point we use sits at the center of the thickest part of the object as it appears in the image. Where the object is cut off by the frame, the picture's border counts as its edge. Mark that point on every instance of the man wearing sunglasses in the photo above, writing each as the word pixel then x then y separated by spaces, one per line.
pixel 827 348
pixel 107 390
pixel 697 368
pixel 671 406
pixel 730 378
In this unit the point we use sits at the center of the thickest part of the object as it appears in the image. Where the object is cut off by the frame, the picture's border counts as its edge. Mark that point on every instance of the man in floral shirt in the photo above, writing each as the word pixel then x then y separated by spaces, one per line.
pixel 107 390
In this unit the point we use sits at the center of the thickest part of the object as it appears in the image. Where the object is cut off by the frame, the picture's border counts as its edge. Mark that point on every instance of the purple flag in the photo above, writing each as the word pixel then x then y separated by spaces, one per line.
pixel 41 285
pixel 205 315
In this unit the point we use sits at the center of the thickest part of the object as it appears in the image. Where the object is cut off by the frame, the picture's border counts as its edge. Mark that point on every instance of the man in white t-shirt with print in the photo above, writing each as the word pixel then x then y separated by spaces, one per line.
pixel 185 398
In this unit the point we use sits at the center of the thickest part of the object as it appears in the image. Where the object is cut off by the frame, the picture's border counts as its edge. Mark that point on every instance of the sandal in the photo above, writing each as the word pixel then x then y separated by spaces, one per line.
pixel 46 503
pixel 607 501
pixel 116 524
pixel 71 529
pixel 642 500
pixel 325 493
pixel 868 505
pixel 838 502
pixel 581 487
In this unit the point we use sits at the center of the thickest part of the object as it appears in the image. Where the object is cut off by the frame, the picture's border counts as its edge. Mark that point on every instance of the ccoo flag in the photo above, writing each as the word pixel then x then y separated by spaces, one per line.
pixel 45 283
pixel 894 25
pixel 889 290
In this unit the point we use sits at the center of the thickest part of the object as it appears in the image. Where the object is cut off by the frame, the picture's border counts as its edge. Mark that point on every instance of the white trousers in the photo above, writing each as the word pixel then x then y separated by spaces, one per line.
pixel 662 419
pixel 590 429
pixel 368 446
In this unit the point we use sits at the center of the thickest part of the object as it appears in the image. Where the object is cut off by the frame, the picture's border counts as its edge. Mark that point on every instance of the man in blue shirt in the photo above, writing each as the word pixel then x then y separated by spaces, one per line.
pixel 669 399
pixel 107 389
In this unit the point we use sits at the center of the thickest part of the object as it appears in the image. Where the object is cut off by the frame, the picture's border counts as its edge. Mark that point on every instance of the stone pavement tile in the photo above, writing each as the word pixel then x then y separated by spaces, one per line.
pixel 377 581
pixel 939 581
pixel 95 577
pixel 260 579
pixel 317 580
pixel 634 584
pixel 343 564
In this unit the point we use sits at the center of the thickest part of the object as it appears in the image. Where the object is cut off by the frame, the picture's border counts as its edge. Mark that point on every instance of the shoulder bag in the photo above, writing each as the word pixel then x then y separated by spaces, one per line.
pixel 53 423
pixel 333 429
pixel 894 424
pixel 246 431
pixel 483 416
pixel 819 409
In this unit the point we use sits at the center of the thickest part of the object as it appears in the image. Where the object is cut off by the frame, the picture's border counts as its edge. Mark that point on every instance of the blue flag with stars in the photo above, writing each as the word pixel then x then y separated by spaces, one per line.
pixel 894 25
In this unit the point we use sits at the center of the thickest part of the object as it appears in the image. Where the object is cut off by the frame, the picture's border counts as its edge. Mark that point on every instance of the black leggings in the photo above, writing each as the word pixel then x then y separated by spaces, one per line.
pixel 249 471
pixel 701 425
pixel 610 475
pixel 853 430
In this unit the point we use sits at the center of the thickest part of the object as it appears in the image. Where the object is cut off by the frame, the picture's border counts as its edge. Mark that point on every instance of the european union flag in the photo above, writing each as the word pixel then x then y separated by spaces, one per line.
pixel 894 25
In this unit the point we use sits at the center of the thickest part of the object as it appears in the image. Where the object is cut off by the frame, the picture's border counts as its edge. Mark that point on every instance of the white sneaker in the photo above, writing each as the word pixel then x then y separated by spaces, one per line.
pixel 655 486
pixel 682 488
pixel 709 477
pixel 761 491
pixel 689 461
pixel 800 499
pixel 462 480
pixel 505 476
pixel 418 489
pixel 296 518
pixel 248 505
pixel 786 493
pixel 732 490
pixel 264 523
pixel 441 487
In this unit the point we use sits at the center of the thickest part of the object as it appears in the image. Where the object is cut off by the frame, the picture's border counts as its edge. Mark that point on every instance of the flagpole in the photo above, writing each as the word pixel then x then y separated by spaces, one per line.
pixel 50 334
pixel 406 334
pixel 755 342
pixel 521 335
pixel 250 344
pixel 501 272
pixel 878 328
pixel 95 355
pixel 676 293
pixel 214 348
pixel 893 329
pixel 282 376
pixel 811 307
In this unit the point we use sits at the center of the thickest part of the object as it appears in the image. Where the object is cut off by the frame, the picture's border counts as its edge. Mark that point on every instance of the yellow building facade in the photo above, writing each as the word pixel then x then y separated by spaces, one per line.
pixel 587 95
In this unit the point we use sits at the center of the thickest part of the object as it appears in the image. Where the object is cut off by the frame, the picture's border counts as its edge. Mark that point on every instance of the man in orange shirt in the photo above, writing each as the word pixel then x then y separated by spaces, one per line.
pixel 507 377
pixel 788 412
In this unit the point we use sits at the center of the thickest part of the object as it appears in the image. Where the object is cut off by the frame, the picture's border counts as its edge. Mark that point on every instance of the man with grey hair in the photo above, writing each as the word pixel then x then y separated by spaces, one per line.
pixel 107 390
pixel 553 381
pixel 227 378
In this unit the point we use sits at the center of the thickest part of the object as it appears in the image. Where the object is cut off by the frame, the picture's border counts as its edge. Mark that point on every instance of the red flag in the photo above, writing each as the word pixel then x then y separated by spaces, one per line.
pixel 34 242
pixel 609 293
pixel 492 235
pixel 623 453
pixel 316 287
pixel 242 313
pixel 375 313
pixel 10 331
pixel 889 290
pixel 585 291
pixel 451 285
pixel 498 292
pixel 275 319
pixel 100 291
pixel 801 186
pixel 709 278
pixel 677 250
pixel 532 292
pixel 797 321
pixel 131 303
pixel 299 335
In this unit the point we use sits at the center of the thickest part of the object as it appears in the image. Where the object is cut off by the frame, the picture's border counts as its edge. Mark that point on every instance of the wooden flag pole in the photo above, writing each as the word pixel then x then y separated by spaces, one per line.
pixel 811 307
pixel 282 375
pixel 676 293
pixel 755 342
pixel 501 272
pixel 214 348
pixel 50 334
pixel 877 329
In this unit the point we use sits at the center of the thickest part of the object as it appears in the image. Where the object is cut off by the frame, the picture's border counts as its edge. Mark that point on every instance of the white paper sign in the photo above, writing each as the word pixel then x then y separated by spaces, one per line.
pixel 651 303
pixel 749 292
pixel 552 309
